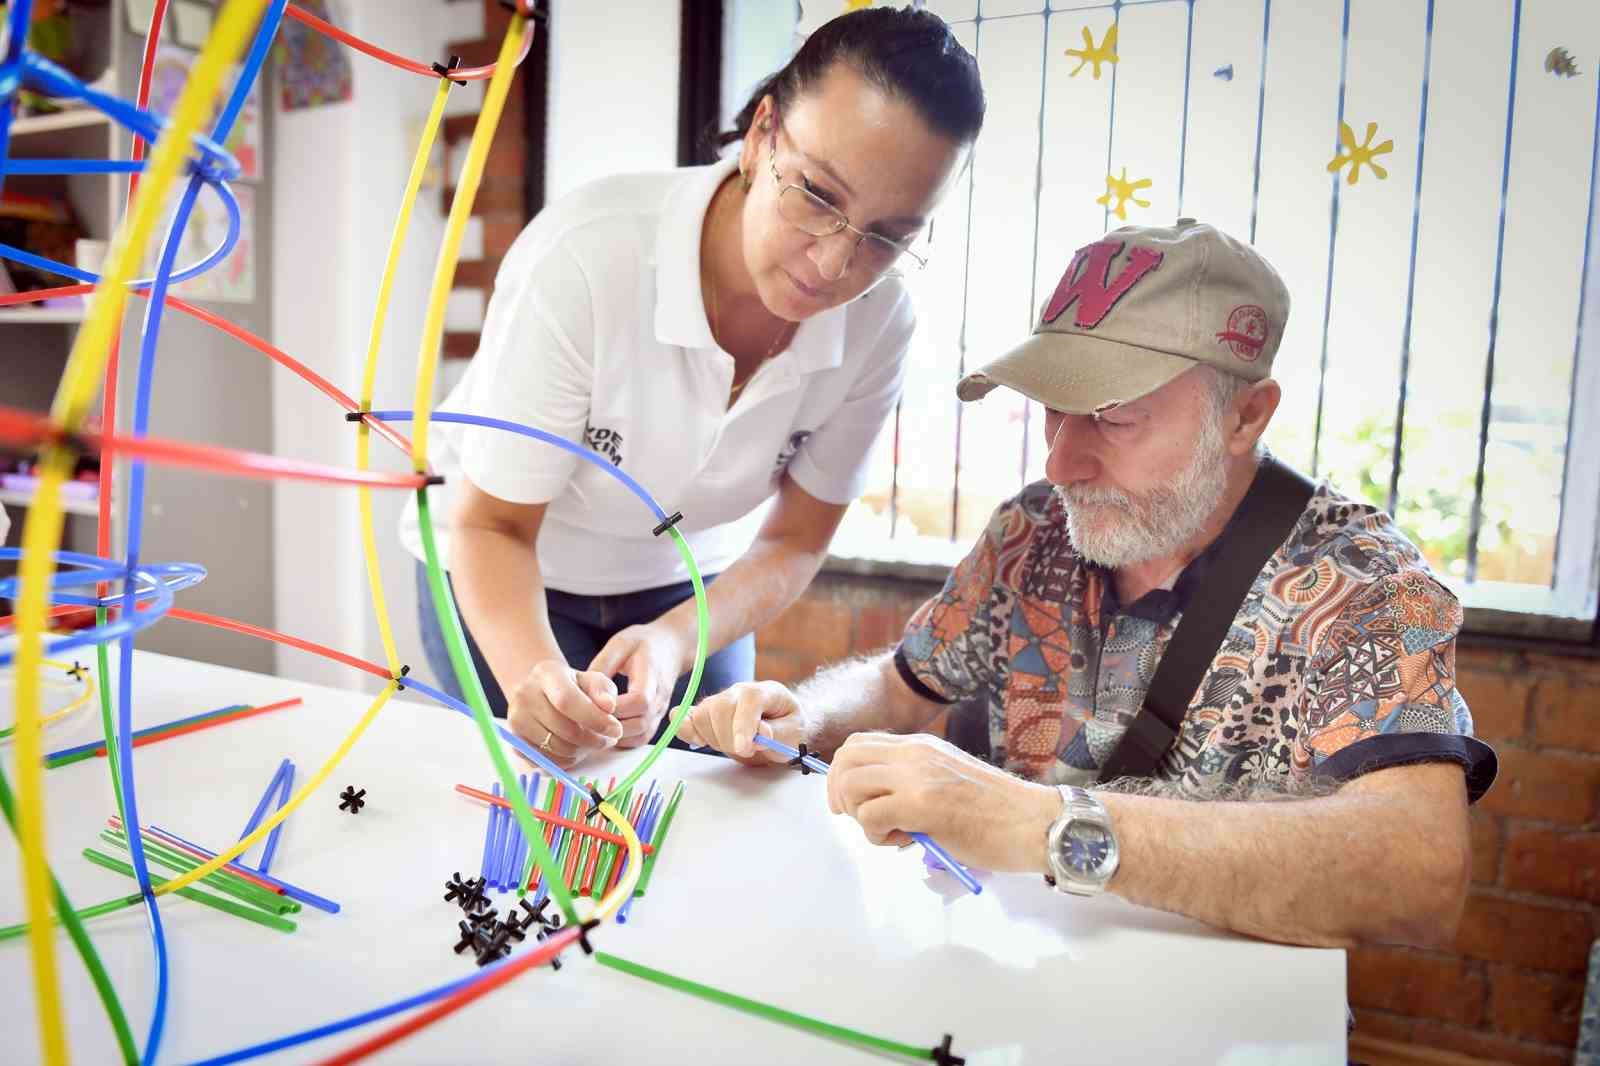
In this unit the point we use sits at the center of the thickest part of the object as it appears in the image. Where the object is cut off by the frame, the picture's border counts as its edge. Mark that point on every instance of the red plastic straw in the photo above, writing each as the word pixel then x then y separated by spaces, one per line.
pixel 235 626
pixel 463 74
pixel 537 956
pixel 556 819
pixel 20 427
pixel 195 727
pixel 172 842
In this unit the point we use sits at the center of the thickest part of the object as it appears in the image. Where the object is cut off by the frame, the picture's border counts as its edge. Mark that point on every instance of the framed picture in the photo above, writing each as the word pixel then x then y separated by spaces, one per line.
pixel 167 78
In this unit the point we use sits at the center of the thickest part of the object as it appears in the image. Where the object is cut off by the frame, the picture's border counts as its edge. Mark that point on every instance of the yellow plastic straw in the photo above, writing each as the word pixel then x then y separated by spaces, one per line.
pixel 402 224
pixel 494 100
pixel 55 716
pixel 41 532
pixel 294 801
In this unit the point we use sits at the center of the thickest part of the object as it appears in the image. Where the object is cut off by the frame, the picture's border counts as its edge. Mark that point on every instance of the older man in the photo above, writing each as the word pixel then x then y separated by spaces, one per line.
pixel 1319 666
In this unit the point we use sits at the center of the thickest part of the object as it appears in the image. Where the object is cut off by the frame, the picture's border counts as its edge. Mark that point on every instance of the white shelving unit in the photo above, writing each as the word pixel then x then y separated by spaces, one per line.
pixel 34 341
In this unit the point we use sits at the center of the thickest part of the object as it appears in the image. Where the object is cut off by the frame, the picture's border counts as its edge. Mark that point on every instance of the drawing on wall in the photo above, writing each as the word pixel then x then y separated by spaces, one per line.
pixel 312 69
pixel 167 78
pixel 234 279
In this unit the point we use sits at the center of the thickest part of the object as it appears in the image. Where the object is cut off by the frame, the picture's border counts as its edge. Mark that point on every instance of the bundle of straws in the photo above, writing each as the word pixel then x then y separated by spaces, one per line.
pixel 591 858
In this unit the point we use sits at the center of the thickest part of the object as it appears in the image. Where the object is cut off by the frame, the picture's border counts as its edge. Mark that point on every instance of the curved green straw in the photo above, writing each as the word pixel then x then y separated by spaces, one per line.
pixel 444 607
pixel 80 939
pixel 763 1010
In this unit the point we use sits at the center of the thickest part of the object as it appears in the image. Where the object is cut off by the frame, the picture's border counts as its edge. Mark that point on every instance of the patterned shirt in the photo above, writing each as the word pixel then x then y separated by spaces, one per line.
pixel 1340 661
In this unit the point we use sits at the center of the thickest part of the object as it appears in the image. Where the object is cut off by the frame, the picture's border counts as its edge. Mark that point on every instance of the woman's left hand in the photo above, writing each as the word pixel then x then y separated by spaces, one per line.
pixel 651 658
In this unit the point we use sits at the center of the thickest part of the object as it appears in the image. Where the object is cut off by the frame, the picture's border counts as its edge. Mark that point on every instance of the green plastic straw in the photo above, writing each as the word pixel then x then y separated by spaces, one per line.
pixel 227 906
pixel 467 677
pixel 223 880
pixel 80 940
pixel 608 857
pixel 657 840
pixel 110 906
pixel 703 618
pixel 763 1010
pixel 68 758
pixel 108 730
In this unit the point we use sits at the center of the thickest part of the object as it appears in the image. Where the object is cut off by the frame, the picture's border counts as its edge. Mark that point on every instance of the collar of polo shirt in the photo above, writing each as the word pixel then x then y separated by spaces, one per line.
pixel 680 317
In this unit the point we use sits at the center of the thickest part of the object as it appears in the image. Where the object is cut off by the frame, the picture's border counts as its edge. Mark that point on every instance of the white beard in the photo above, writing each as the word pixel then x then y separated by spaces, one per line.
pixel 1113 529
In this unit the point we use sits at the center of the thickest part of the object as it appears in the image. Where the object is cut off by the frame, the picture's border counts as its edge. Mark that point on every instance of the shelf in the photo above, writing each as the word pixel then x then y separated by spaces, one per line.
pixel 42 315
pixel 72 119
pixel 72 505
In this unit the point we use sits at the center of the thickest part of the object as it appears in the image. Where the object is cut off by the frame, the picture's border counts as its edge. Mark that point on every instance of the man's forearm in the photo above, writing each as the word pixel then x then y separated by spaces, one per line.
pixel 501 594
pixel 1330 871
pixel 860 695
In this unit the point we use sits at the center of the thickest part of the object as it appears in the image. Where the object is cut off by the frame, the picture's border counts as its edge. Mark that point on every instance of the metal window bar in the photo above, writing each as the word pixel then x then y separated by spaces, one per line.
pixel 1397 455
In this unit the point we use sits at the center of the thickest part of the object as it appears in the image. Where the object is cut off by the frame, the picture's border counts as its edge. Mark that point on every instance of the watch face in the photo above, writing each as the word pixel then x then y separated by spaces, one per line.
pixel 1087 846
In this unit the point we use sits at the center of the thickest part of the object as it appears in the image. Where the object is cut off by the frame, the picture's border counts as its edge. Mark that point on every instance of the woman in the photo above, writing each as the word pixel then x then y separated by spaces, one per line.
pixel 726 335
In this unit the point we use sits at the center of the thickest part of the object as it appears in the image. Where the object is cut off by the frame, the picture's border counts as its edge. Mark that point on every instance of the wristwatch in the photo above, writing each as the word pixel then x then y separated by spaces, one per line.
pixel 1080 845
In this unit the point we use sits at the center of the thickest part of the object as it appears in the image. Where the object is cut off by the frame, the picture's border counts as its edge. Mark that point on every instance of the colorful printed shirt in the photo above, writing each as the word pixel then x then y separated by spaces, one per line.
pixel 1340 661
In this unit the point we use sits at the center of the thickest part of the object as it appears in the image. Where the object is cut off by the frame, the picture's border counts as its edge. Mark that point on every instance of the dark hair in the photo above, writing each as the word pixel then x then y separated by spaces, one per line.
pixel 909 54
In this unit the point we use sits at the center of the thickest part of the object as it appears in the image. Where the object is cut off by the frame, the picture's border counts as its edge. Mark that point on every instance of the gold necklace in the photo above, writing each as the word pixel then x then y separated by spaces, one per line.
pixel 772 349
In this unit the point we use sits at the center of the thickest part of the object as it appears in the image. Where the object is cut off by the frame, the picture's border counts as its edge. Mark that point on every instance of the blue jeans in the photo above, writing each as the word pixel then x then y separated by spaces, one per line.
pixel 582 625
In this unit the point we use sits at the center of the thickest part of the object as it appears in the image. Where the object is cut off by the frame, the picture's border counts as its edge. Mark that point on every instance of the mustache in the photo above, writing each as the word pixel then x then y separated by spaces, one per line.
pixel 1088 496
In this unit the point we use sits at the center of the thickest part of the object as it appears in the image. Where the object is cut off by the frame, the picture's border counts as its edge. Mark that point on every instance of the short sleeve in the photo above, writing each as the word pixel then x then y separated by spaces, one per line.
pixel 832 463
pixel 947 652
pixel 1381 688
pixel 536 368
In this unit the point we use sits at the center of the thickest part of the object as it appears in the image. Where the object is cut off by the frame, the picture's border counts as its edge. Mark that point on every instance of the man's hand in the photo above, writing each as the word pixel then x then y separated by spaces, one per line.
pixel 651 658
pixel 563 712
pixel 985 817
pixel 730 720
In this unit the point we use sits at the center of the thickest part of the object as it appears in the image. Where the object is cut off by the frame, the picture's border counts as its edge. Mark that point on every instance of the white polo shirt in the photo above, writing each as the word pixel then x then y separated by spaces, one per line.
pixel 597 332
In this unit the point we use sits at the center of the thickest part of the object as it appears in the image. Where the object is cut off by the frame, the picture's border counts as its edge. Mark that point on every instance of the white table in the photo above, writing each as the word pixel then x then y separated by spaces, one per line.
pixel 759 890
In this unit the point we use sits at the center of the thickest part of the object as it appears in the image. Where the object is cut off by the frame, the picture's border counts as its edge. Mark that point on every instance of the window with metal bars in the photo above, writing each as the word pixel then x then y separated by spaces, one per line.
pixel 1422 174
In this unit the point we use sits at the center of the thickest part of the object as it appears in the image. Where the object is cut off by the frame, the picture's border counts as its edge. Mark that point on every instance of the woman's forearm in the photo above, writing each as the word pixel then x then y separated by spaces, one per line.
pixel 501 595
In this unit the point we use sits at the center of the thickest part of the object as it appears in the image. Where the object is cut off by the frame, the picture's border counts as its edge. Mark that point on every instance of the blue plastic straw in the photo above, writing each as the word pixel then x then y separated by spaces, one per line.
pixel 310 899
pixel 95 745
pixel 513 843
pixel 272 837
pixel 520 866
pixel 497 838
pixel 266 798
pixel 959 872
pixel 646 829
pixel 488 840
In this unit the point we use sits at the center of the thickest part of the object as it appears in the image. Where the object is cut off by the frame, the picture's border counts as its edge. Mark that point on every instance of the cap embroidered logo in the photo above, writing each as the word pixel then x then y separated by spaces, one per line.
pixel 1246 332
pixel 1088 281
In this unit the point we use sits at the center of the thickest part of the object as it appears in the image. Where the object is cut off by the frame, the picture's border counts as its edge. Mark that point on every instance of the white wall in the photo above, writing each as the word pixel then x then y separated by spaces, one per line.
pixel 613 107
pixel 613 90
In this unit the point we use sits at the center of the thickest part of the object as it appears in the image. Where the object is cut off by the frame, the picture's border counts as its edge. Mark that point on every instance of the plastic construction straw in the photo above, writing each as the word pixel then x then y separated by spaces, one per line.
pixel 763 1010
pixel 310 899
pixel 110 906
pixel 266 798
pixel 488 842
pixel 514 871
pixel 658 837
pixel 98 747
pixel 241 872
pixel 238 910
pixel 958 871
pixel 546 816
pixel 652 814
pixel 513 843
pixel 271 849
pixel 231 885
pixel 497 837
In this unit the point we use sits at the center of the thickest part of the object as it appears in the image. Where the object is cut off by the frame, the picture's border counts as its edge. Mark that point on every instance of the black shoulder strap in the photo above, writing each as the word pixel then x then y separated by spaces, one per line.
pixel 1267 515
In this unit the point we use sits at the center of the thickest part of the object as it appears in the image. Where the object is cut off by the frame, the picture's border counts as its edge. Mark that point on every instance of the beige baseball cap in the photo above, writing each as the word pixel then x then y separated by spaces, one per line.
pixel 1137 308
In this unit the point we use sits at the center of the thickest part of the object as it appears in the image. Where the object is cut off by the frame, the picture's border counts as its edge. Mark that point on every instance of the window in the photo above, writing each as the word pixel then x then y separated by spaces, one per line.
pixel 1434 361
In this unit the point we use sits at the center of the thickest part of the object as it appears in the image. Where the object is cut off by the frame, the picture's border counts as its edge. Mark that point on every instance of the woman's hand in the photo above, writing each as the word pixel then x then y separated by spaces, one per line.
pixel 651 658
pixel 565 713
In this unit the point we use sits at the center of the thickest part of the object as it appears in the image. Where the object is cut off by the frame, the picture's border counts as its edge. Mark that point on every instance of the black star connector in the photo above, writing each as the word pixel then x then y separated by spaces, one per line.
pixel 351 800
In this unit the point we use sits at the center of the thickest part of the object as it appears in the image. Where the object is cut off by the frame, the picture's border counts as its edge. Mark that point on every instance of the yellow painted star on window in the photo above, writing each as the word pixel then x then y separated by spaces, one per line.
pixel 1123 190
pixel 856 5
pixel 1104 52
pixel 1356 154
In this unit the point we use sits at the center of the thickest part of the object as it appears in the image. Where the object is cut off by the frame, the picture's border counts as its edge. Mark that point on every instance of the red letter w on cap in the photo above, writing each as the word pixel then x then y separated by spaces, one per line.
pixel 1088 281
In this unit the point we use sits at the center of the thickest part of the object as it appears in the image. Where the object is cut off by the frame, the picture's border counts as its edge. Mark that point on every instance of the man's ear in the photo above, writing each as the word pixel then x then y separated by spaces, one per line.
pixel 1253 409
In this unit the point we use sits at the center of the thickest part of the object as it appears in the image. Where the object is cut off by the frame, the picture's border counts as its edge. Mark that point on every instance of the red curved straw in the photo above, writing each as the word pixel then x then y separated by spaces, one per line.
pixel 235 626
pixel 277 355
pixel 29 430
pixel 327 29
pixel 541 954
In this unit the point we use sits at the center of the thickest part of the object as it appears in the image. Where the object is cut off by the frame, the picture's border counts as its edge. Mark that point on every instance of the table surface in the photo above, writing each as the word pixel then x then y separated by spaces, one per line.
pixel 760 891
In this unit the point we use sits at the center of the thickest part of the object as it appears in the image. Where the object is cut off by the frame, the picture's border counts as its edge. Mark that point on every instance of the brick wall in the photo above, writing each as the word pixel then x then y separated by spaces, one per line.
pixel 501 203
pixel 1511 986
